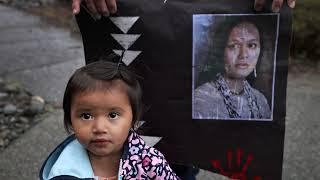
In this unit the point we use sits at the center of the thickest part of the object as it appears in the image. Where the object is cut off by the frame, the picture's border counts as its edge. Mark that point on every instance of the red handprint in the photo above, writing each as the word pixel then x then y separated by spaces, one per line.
pixel 237 172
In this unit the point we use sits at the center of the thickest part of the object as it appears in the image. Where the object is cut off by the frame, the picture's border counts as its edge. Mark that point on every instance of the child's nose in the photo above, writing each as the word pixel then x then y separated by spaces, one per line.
pixel 100 125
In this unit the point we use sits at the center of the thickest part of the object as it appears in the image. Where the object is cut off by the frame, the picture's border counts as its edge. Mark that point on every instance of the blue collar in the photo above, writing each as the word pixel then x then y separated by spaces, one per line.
pixel 69 158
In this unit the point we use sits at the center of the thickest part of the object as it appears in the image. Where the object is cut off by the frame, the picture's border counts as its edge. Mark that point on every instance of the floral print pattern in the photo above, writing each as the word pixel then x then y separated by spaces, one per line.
pixel 144 162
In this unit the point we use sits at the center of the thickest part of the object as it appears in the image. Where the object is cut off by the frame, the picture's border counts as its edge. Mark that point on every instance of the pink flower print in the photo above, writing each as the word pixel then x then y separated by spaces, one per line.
pixel 146 161
pixel 135 141
pixel 163 176
pixel 140 173
pixel 144 152
pixel 134 158
pixel 134 150
pixel 156 160
pixel 152 173
pixel 126 165
pixel 154 151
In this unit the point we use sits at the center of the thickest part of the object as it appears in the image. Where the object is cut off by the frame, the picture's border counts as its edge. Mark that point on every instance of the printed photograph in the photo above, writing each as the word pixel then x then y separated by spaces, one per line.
pixel 234 64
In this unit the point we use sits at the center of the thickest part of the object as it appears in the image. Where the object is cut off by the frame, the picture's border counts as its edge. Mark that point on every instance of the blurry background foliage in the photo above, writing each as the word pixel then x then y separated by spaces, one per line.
pixel 306 27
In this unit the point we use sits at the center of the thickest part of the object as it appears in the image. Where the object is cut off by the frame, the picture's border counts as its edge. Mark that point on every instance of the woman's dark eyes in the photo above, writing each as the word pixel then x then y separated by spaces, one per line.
pixel 86 116
pixel 233 46
pixel 236 46
pixel 252 45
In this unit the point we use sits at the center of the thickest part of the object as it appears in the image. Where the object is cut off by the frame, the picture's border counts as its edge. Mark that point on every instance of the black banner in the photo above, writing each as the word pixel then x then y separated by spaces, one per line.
pixel 174 45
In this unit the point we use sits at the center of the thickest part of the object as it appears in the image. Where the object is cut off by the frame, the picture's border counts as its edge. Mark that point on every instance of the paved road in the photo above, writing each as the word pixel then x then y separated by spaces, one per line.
pixel 42 57
pixel 302 139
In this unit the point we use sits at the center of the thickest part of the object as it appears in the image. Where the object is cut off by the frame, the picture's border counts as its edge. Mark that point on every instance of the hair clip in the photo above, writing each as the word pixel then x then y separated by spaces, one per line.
pixel 120 60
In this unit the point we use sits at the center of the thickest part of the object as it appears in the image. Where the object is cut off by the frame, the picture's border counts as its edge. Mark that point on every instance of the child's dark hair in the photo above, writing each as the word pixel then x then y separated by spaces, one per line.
pixel 100 75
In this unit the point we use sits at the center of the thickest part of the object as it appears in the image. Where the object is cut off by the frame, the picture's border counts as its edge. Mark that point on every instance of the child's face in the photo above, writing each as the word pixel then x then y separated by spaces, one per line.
pixel 101 119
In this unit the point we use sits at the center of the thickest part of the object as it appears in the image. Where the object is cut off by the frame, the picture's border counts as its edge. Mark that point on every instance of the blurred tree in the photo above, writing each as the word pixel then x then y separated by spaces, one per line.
pixel 306 26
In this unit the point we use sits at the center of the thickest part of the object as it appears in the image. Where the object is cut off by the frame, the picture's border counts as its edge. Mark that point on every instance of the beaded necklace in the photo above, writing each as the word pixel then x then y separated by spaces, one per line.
pixel 227 95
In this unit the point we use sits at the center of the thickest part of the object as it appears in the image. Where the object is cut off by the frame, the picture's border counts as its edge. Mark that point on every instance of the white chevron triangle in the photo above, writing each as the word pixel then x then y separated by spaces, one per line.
pixel 126 40
pixel 151 140
pixel 128 56
pixel 118 52
pixel 124 23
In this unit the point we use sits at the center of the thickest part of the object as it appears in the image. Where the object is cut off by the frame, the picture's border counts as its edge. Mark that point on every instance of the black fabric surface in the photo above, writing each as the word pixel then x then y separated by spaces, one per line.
pixel 166 67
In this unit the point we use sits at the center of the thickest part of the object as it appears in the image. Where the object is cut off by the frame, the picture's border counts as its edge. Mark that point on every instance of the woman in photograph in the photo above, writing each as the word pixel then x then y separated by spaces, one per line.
pixel 228 94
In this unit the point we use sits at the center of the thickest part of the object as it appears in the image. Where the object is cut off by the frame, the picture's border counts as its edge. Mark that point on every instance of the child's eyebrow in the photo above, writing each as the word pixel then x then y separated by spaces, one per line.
pixel 88 109
pixel 80 109
pixel 117 109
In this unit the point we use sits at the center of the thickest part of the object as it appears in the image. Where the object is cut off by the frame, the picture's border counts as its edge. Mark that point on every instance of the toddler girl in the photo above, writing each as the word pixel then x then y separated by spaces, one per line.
pixel 101 104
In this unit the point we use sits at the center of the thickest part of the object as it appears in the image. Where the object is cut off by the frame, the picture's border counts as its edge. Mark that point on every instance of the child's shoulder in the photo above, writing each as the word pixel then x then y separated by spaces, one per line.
pixel 137 146
pixel 143 161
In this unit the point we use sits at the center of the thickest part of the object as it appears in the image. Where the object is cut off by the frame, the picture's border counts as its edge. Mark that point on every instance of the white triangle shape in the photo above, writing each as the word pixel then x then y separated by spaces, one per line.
pixel 129 56
pixel 124 23
pixel 118 52
pixel 151 140
pixel 126 40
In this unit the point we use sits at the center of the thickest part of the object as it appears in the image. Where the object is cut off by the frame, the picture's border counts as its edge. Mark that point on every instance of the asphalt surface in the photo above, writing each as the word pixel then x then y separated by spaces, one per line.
pixel 42 57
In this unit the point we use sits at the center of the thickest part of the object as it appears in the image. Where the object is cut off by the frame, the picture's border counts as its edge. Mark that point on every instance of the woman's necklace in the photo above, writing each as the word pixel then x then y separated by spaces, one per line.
pixel 232 108
pixel 236 93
